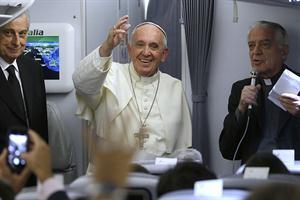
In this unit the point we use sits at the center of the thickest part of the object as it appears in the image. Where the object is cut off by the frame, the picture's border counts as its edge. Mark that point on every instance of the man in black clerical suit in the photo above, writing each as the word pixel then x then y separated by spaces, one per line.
pixel 29 108
pixel 270 127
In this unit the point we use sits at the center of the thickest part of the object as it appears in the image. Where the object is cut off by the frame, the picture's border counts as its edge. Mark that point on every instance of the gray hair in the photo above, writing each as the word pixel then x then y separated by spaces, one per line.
pixel 281 34
pixel 26 13
pixel 153 24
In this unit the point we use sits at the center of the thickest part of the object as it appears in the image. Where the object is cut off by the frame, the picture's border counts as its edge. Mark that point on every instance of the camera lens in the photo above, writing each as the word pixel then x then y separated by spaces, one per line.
pixel 16 161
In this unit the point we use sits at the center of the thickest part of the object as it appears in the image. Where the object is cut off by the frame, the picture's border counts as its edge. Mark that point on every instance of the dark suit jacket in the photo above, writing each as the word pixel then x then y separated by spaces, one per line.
pixel 33 85
pixel 35 99
pixel 233 131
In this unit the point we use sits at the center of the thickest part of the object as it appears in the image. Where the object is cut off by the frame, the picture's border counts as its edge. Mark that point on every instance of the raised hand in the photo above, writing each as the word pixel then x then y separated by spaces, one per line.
pixel 115 36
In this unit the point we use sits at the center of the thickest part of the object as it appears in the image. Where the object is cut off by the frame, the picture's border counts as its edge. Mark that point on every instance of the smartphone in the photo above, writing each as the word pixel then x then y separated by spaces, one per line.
pixel 17 144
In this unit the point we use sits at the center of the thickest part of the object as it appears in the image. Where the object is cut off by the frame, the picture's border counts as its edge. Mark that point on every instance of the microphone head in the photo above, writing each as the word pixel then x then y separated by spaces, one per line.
pixel 253 77
pixel 253 73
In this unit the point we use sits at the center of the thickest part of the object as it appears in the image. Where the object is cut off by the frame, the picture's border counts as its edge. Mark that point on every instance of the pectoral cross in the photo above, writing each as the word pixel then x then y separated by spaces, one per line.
pixel 141 136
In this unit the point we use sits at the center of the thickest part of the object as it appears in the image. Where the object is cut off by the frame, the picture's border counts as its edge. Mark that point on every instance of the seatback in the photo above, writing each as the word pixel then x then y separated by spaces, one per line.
pixel 231 194
pixel 142 186
pixel 61 144
pixel 238 182
pixel 139 186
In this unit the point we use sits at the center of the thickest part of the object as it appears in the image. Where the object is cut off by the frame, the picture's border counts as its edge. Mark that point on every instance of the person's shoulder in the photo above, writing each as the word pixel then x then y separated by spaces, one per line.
pixel 171 82
pixel 118 68
pixel 244 81
pixel 238 85
pixel 27 59
pixel 169 78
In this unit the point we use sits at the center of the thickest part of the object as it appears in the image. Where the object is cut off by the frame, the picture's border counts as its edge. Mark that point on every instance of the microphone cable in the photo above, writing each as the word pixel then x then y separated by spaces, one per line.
pixel 239 144
pixel 253 82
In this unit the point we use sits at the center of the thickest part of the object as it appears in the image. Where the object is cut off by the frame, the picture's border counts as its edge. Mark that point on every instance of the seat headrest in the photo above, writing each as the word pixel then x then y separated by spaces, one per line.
pixel 187 154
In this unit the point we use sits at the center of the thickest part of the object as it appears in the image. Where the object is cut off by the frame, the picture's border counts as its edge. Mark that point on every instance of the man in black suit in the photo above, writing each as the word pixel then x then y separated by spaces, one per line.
pixel 32 114
pixel 24 106
pixel 269 126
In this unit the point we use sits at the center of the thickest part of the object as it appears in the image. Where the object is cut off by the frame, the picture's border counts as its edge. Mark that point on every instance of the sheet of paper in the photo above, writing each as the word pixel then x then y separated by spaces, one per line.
pixel 287 83
pixel 256 173
pixel 287 156
pixel 213 188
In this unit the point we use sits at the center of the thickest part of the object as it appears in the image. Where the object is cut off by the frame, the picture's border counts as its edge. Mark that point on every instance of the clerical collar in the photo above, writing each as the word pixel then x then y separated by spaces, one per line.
pixel 143 79
pixel 268 81
pixel 274 79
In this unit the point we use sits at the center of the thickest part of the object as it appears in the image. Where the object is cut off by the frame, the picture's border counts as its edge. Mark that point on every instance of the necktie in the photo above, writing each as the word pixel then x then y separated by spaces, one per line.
pixel 15 88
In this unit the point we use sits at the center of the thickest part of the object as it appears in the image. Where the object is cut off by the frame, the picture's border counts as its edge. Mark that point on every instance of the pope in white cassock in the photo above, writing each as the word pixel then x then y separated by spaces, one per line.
pixel 135 102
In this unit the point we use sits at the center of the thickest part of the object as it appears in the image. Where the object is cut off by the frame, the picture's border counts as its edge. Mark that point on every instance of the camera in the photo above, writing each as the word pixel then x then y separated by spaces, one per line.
pixel 17 144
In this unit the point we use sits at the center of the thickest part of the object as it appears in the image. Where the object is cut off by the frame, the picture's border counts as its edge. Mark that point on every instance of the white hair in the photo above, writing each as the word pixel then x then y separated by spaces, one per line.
pixel 153 24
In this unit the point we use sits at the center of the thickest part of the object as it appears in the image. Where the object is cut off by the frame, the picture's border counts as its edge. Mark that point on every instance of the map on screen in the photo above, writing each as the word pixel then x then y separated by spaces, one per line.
pixel 52 45
pixel 45 50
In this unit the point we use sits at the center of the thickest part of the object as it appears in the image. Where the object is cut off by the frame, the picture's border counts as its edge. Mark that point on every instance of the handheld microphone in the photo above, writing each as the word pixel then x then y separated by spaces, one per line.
pixel 253 75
